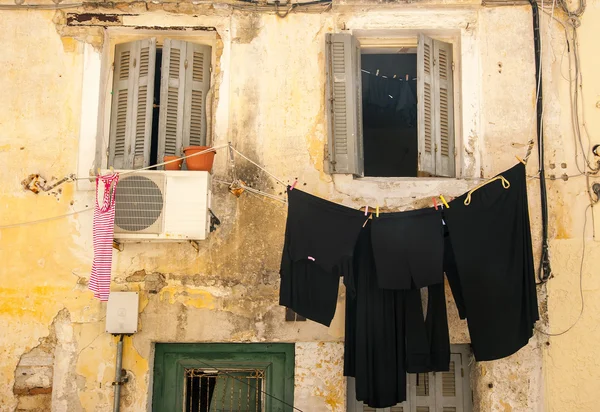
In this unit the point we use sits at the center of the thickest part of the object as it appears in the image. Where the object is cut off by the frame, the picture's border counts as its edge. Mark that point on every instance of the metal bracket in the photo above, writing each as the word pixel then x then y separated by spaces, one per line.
pixel 195 245
pixel 118 245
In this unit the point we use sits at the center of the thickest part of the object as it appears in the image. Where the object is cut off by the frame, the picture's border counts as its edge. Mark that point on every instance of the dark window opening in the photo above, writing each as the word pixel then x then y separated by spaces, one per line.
pixel 156 109
pixel 389 103
pixel 291 316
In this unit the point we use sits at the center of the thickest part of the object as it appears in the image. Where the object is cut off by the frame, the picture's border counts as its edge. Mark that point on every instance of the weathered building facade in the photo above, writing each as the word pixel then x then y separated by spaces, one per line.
pixel 268 99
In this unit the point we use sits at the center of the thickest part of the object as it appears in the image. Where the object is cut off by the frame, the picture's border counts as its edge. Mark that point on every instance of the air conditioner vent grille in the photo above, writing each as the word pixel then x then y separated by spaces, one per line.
pixel 139 204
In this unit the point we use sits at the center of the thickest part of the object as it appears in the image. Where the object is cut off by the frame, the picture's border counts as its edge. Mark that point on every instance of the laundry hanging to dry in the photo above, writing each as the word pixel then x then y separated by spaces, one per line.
pixel 482 242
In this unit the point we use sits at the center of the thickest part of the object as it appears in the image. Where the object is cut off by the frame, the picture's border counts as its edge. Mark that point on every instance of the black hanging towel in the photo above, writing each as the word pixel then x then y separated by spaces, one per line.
pixel 491 240
pixel 319 242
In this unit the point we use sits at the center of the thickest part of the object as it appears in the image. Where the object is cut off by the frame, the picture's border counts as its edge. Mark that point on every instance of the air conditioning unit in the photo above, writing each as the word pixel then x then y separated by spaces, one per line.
pixel 163 205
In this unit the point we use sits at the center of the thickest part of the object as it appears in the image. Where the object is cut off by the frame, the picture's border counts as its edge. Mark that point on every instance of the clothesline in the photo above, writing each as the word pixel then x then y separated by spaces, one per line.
pixel 229 145
pixel 386 77
pixel 88 209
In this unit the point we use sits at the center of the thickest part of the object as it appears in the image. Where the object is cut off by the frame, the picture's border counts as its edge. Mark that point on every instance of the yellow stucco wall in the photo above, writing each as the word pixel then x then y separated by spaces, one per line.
pixel 271 106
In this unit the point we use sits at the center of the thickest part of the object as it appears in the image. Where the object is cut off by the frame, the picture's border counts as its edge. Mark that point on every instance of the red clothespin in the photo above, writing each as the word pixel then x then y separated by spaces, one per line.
pixel 434 203
pixel 294 185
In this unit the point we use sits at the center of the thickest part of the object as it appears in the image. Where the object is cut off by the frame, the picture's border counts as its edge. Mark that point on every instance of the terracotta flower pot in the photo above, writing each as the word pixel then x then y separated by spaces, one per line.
pixel 174 165
pixel 202 162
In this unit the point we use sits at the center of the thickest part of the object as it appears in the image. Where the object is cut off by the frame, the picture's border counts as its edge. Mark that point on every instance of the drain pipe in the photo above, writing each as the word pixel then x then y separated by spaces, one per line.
pixel 118 375
pixel 545 270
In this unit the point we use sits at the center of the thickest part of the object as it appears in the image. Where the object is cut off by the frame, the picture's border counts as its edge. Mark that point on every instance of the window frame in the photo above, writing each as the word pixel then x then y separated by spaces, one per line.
pixel 388 39
pixel 118 35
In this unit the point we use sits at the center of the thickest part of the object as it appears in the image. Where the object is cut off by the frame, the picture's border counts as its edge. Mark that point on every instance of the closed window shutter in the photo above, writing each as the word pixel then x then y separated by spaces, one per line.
pixel 426 106
pixel 170 119
pixel 449 387
pixel 345 136
pixel 422 392
pixel 131 110
pixel 197 83
pixel 444 109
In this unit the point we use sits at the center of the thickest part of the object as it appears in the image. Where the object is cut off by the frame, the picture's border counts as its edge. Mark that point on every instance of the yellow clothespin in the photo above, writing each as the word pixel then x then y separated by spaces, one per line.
pixel 444 202
pixel 377 211
pixel 394 77
pixel 99 172
pixel 521 160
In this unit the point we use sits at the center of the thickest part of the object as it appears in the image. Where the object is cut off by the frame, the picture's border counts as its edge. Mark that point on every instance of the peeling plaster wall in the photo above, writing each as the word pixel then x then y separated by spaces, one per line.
pixel 271 105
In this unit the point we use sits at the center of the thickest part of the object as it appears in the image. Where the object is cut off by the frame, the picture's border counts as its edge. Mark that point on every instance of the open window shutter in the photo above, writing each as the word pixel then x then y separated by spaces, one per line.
pixel 345 137
pixel 444 109
pixel 197 84
pixel 426 108
pixel 132 98
pixel 172 93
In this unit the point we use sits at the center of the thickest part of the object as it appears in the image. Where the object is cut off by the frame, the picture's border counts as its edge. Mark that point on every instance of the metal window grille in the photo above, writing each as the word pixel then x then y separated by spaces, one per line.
pixel 211 390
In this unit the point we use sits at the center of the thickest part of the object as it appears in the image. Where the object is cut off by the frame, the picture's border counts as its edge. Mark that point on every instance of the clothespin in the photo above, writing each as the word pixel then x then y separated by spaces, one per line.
pixel 294 185
pixel 434 203
pixel 311 258
pixel 407 77
pixel 377 74
pixel 444 201
pixel 394 77
pixel 377 211
pixel 112 170
pixel 370 217
pixel 366 210
pixel 441 207
pixel 521 160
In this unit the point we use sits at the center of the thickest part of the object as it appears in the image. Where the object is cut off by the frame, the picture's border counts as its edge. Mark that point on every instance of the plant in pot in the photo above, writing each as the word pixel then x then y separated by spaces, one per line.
pixel 202 161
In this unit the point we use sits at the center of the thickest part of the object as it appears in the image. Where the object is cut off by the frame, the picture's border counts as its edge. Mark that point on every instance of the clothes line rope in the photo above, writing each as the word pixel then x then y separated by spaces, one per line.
pixel 251 190
pixel 48 219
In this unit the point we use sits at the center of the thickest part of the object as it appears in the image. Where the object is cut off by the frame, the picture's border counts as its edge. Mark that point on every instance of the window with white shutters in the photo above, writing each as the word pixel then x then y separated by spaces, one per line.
pixel 148 121
pixel 351 131
pixel 430 392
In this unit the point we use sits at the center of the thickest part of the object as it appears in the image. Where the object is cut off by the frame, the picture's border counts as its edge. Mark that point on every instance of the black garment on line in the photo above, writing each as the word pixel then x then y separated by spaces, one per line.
pixel 491 240
pixel 387 335
pixel 319 241
pixel 409 248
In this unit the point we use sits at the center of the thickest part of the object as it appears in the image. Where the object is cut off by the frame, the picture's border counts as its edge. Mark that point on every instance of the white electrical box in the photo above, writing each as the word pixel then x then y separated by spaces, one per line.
pixel 122 313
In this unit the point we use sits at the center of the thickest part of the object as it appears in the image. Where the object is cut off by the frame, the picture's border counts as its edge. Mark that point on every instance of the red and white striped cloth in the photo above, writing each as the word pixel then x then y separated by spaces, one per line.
pixel 104 226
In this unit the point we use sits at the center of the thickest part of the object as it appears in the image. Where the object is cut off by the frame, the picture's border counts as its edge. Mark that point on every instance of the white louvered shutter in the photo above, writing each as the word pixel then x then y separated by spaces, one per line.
pixel 426 105
pixel 422 392
pixel 444 109
pixel 344 102
pixel 197 84
pixel 184 85
pixel 172 94
pixel 449 387
pixel 132 99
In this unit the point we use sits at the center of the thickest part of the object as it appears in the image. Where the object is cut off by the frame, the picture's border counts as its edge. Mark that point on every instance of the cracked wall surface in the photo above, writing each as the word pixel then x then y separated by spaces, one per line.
pixel 270 103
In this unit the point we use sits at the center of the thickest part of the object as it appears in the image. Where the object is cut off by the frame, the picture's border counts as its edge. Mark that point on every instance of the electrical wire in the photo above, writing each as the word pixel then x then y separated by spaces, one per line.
pixel 48 219
pixel 224 372
pixel 40 6
pixel 580 282
pixel 545 271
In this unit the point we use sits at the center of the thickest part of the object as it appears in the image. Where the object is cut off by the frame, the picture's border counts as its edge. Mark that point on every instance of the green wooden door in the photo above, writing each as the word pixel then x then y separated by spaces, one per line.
pixel 207 377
